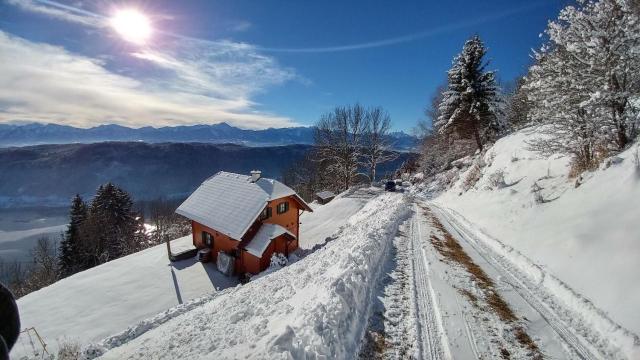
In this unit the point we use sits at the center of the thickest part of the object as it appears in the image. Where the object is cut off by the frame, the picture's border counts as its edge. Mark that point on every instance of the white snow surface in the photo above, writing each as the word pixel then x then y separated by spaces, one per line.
pixel 106 299
pixel 587 237
pixel 318 227
pixel 316 307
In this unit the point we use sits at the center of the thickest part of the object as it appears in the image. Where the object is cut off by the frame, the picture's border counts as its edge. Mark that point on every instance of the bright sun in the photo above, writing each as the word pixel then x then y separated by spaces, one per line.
pixel 132 25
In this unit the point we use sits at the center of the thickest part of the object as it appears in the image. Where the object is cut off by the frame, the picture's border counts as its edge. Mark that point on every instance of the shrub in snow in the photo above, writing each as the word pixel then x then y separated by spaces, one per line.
pixel 473 174
pixel 68 350
pixel 537 195
pixel 471 178
pixel 496 180
pixel 278 261
pixel 489 158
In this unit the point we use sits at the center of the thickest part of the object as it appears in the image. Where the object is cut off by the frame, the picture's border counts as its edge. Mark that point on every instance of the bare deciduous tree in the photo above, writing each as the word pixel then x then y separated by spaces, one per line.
pixel 168 225
pixel 377 144
pixel 339 140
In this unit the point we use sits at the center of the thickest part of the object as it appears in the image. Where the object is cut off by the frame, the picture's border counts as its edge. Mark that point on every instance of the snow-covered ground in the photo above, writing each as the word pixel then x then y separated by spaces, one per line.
pixel 581 243
pixel 589 236
pixel 373 278
pixel 315 308
pixel 326 220
pixel 128 296
pixel 105 300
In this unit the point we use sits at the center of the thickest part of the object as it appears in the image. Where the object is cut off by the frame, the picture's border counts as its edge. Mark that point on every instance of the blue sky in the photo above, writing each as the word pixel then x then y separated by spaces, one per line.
pixel 253 64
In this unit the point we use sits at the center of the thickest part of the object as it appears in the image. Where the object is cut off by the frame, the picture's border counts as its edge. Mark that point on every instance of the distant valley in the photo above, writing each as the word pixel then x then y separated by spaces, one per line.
pixel 49 175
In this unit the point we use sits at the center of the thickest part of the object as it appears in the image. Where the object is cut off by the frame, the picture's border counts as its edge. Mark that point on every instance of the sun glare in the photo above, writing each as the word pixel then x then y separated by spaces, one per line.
pixel 132 25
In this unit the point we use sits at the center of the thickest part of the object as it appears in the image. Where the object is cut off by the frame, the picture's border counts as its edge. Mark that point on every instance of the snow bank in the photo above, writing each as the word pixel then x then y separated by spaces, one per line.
pixel 586 237
pixel 316 307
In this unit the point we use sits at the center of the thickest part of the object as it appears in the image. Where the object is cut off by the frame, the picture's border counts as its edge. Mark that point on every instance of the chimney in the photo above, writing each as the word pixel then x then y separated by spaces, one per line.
pixel 255 175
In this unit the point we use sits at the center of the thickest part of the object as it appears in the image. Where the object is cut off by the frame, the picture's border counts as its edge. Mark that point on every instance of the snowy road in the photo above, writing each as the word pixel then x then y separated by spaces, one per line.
pixel 432 341
pixel 575 346
pixel 469 302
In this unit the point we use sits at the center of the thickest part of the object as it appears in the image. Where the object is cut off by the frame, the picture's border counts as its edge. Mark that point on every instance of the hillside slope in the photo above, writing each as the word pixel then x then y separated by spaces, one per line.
pixel 586 236
pixel 132 294
pixel 314 308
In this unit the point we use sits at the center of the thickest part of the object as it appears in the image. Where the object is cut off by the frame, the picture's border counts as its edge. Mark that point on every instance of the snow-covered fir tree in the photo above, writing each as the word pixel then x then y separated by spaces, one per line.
pixel 517 106
pixel 471 105
pixel 112 228
pixel 70 245
pixel 586 80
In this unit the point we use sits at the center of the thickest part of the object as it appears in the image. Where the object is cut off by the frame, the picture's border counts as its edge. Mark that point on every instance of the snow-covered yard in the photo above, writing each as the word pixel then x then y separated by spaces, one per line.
pixel 144 289
pixel 104 300
pixel 325 220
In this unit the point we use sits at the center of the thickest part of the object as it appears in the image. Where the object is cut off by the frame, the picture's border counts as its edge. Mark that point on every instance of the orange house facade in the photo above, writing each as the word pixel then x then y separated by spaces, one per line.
pixel 246 218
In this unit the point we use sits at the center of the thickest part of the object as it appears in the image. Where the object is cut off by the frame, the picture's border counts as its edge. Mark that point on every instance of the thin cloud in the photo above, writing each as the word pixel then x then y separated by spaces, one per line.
pixel 45 5
pixel 241 26
pixel 48 83
pixel 409 37
pixel 61 12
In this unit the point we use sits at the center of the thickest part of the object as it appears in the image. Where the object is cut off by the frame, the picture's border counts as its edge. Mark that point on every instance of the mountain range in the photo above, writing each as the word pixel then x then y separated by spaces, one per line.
pixel 36 133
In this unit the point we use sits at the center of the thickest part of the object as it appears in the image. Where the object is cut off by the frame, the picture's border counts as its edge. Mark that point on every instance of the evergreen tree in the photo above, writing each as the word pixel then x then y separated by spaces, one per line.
pixel 70 255
pixel 112 229
pixel 114 207
pixel 517 106
pixel 471 105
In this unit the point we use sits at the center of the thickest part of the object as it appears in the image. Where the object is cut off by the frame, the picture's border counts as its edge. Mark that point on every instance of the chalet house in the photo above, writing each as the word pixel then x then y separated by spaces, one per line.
pixel 245 217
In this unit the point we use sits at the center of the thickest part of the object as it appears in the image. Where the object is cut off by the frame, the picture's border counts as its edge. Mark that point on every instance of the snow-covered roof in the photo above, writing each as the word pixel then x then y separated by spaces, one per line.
pixel 325 194
pixel 263 237
pixel 230 203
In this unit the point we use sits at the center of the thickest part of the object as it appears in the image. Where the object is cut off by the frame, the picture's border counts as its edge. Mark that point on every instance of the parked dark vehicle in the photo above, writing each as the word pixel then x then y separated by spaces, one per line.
pixel 390 186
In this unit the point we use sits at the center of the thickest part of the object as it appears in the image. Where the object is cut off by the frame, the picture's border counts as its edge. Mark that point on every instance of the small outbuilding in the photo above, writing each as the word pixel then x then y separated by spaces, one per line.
pixel 324 197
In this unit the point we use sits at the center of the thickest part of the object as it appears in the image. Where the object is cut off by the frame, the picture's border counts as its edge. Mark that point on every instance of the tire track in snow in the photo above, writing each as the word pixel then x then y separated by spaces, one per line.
pixel 432 341
pixel 521 286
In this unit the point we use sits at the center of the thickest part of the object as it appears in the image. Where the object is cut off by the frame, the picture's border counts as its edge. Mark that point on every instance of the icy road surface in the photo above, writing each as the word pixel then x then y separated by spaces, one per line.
pixel 448 294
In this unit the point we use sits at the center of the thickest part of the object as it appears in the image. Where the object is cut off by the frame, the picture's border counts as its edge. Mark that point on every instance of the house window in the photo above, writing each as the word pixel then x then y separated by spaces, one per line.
pixel 207 238
pixel 283 207
pixel 266 213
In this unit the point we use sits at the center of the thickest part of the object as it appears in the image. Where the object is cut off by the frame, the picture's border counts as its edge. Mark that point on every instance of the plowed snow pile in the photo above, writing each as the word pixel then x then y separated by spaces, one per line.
pixel 316 306
pixel 587 236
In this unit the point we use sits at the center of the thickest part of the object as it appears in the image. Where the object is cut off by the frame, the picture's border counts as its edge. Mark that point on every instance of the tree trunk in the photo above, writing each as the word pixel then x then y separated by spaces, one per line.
pixel 373 173
pixel 168 247
pixel 620 127
pixel 476 134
